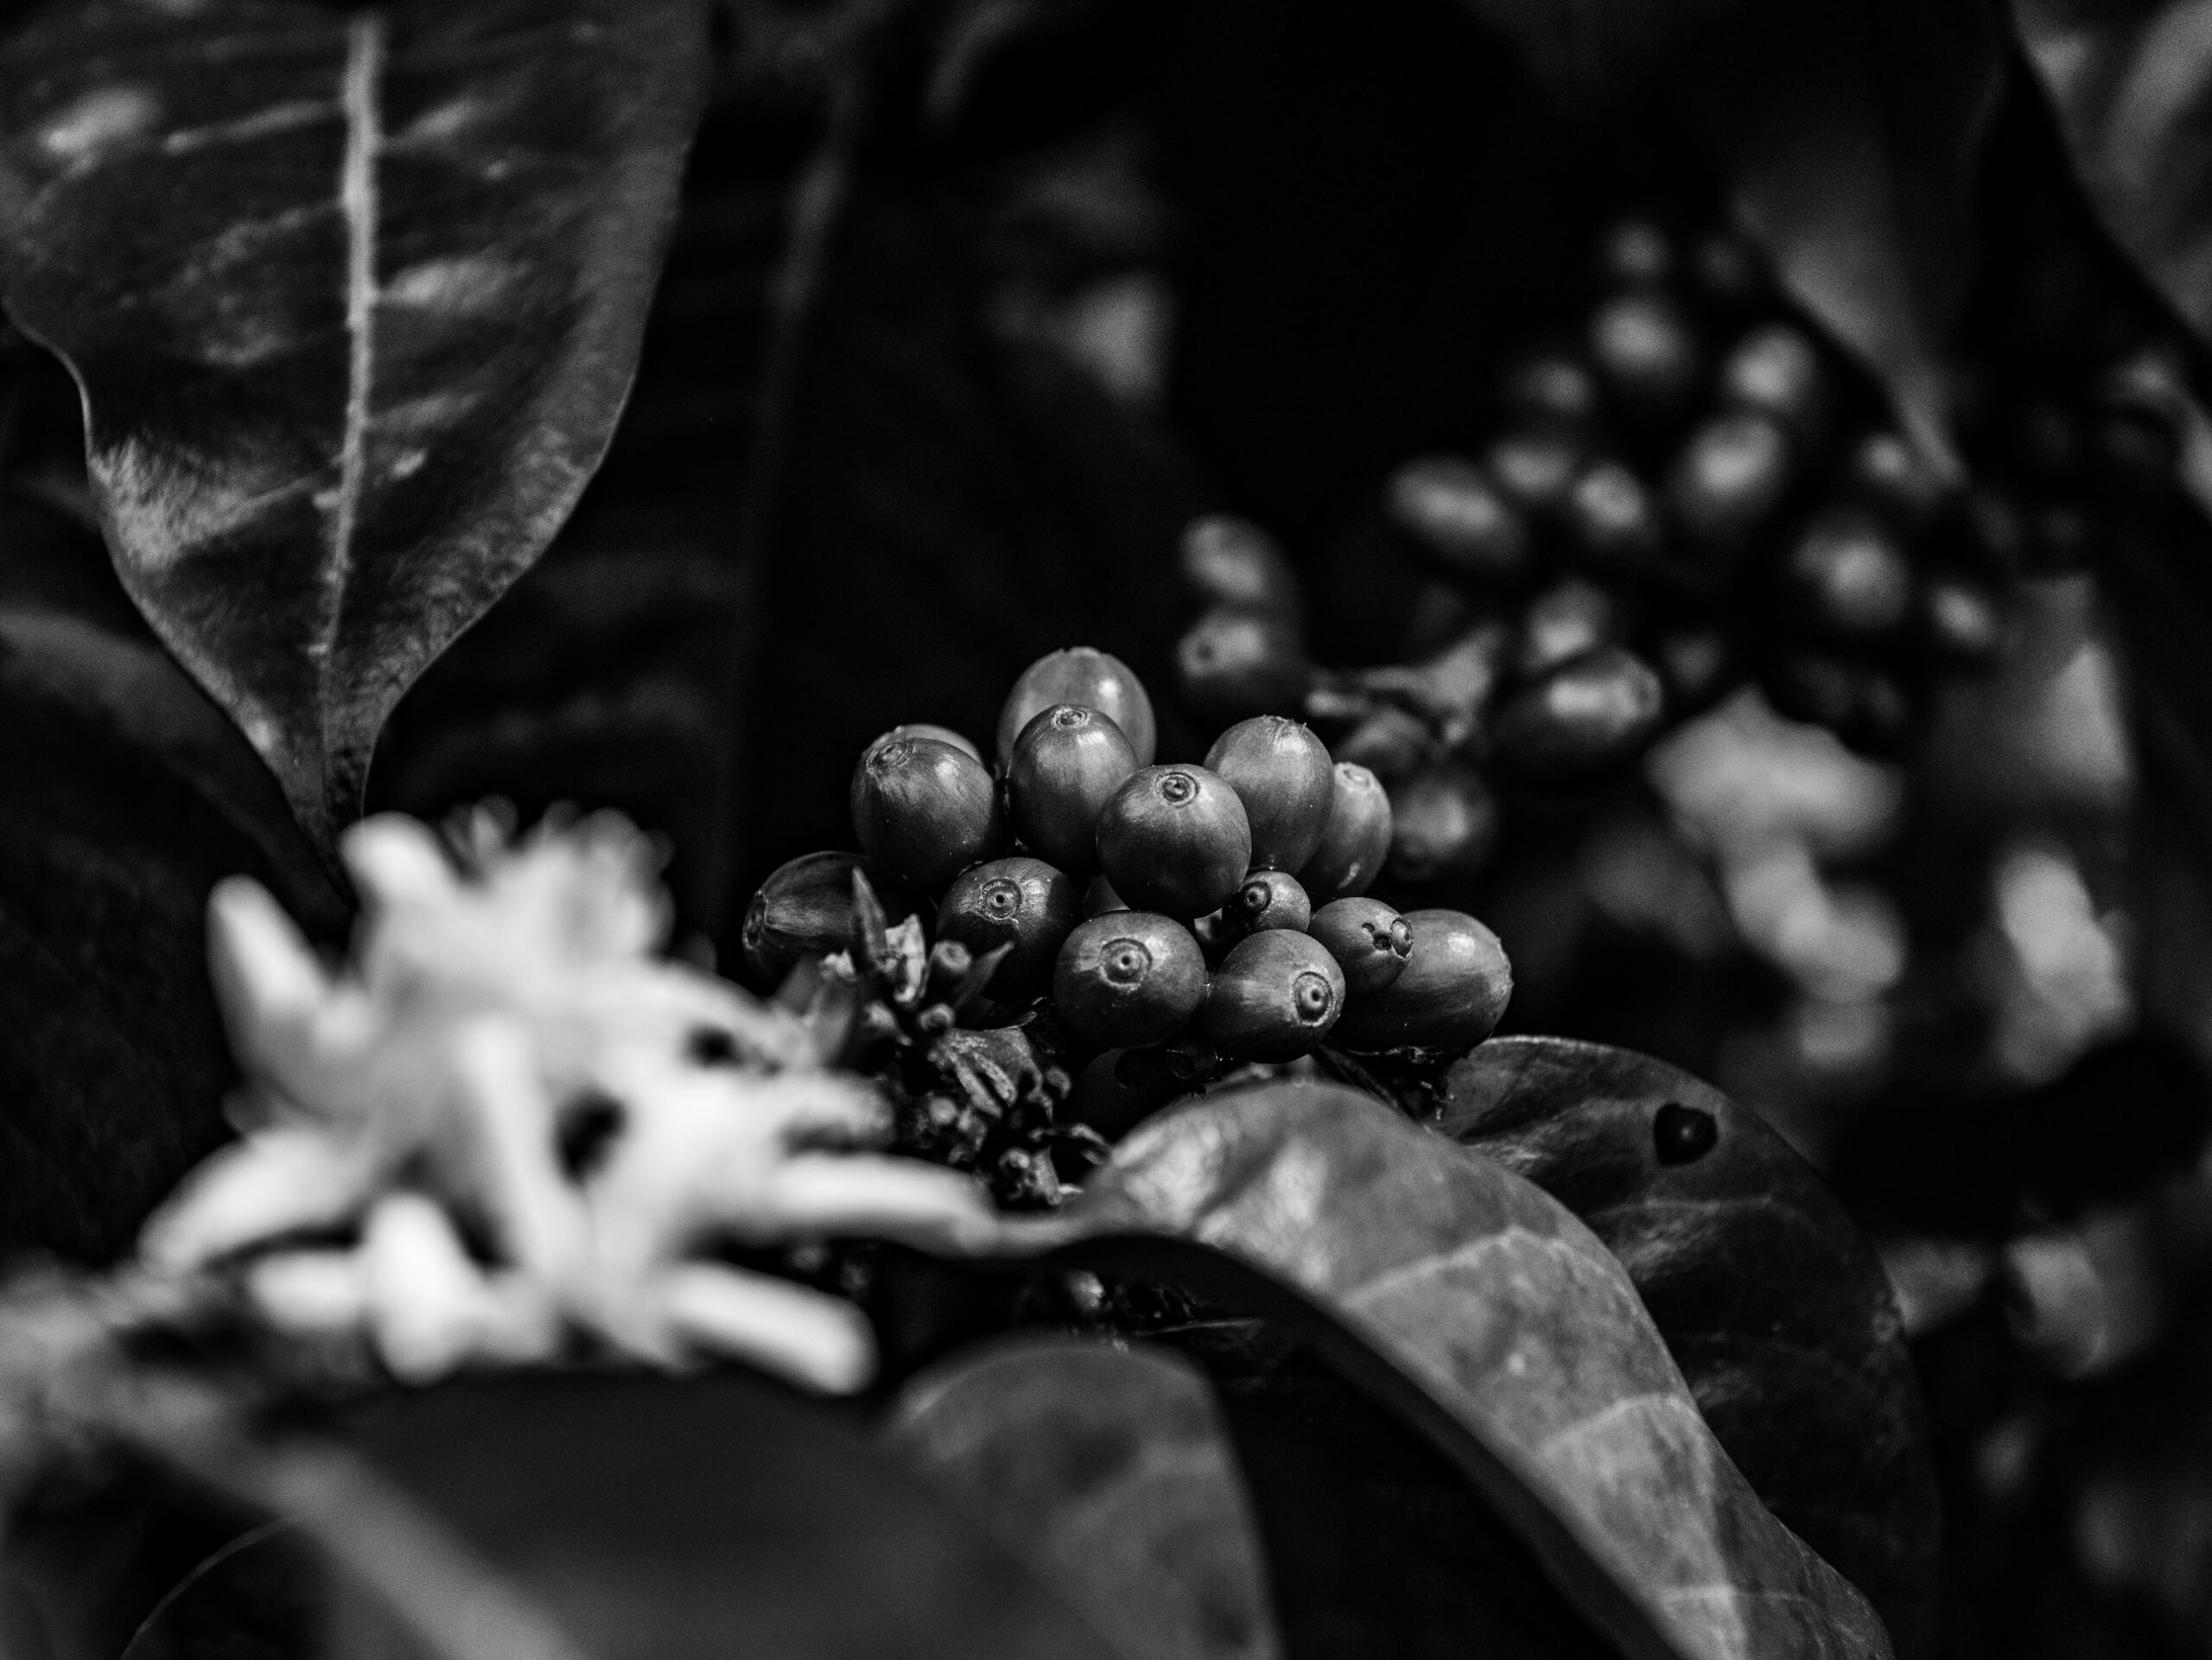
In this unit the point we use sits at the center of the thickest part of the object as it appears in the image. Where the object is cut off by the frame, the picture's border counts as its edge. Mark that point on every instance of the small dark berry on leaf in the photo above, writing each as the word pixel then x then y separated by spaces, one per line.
pixel 805 909
pixel 1647 353
pixel 1175 840
pixel 1444 825
pixel 1681 1135
pixel 1065 764
pixel 1230 561
pixel 1612 520
pixel 1270 899
pixel 925 810
pixel 1020 902
pixel 1536 469
pixel 1563 622
pixel 1274 997
pixel 1848 577
pixel 1370 940
pixel 1550 388
pixel 1459 519
pixel 1280 772
pixel 1728 479
pixel 1092 678
pixel 1232 664
pixel 1449 996
pixel 1356 839
pixel 1129 978
pixel 1775 372
pixel 1583 722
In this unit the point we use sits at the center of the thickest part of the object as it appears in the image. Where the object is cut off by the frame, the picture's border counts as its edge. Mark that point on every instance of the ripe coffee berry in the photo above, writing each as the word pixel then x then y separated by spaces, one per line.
pixel 1449 996
pixel 1230 561
pixel 1274 997
pixel 1024 903
pixel 1090 679
pixel 1234 662
pixel 805 909
pixel 1728 480
pixel 1459 519
pixel 1535 469
pixel 1356 841
pixel 1648 355
pixel 1370 940
pixel 1129 978
pixel 1775 370
pixel 1582 723
pixel 925 810
pixel 1065 764
pixel 1564 621
pixel 1280 772
pixel 1847 577
pixel 1612 521
pixel 1175 840
pixel 1270 899
pixel 1445 824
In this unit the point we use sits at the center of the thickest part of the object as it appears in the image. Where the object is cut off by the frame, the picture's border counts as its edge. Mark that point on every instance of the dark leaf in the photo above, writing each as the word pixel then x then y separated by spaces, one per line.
pixel 1108 1471
pixel 256 1599
pixel 1482 1310
pixel 1771 1303
pixel 354 299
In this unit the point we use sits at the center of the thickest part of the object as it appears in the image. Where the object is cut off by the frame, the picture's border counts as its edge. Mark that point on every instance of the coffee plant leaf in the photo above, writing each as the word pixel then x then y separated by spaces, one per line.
pixel 1109 1472
pixel 262 1593
pixel 353 316
pixel 1479 1308
pixel 1769 1301
pixel 128 796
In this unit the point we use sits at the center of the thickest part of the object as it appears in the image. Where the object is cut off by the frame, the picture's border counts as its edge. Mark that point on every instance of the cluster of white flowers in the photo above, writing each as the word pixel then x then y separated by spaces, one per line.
pixel 509 1126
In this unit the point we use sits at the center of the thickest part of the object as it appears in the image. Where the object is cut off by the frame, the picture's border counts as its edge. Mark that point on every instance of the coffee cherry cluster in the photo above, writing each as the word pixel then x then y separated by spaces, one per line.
pixel 1692 494
pixel 1219 907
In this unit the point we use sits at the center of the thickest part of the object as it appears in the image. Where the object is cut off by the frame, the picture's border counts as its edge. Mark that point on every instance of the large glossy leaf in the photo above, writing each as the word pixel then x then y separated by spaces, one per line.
pixel 354 298
pixel 1109 1472
pixel 1771 1302
pixel 1477 1304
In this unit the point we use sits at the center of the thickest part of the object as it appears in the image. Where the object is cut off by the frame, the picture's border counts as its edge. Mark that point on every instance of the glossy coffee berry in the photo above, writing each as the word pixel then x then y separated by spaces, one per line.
pixel 1068 760
pixel 1175 840
pixel 1274 997
pixel 966 746
pixel 1583 722
pixel 1232 664
pixel 1535 469
pixel 1846 575
pixel 1551 389
pixel 1281 772
pixel 1460 520
pixel 1270 899
pixel 1614 521
pixel 1020 902
pixel 1449 996
pixel 1370 940
pixel 1093 679
pixel 805 909
pixel 1648 355
pixel 1775 370
pixel 924 811
pixel 1726 483
pixel 1356 841
pixel 1129 978
pixel 1563 622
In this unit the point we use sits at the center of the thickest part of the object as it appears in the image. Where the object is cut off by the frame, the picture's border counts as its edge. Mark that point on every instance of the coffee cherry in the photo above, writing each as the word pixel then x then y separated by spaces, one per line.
pixel 1613 521
pixel 1695 664
pixel 1274 997
pixel 1960 620
pixel 1270 899
pixel 923 729
pixel 1100 898
pixel 924 811
pixel 1891 477
pixel 1089 678
pixel 1129 977
pixel 1584 721
pixel 1232 664
pixel 1230 561
pixel 1775 372
pixel 1453 988
pixel 1536 469
pixel 1371 941
pixel 1280 772
pixel 1848 577
pixel 1175 840
pixel 1022 902
pixel 1459 519
pixel 1636 254
pixel 1067 762
pixel 1390 743
pixel 1444 825
pixel 1564 622
pixel 1356 839
pixel 1550 388
pixel 1647 354
pixel 805 909
pixel 1727 481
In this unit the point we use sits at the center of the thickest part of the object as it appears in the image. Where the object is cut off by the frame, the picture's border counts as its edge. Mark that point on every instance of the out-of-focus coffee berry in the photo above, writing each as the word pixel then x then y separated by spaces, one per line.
pixel 805 909
pixel 1274 997
pixel 1550 388
pixel 1647 353
pixel 1585 720
pixel 1065 764
pixel 1565 621
pixel 1728 480
pixel 1370 940
pixel 924 811
pixel 922 729
pixel 1093 679
pixel 1280 772
pixel 1695 666
pixel 1270 899
pixel 1961 620
pixel 1536 469
pixel 1445 825
pixel 1636 253
pixel 1613 520
pixel 1894 481
pixel 1459 519
pixel 1129 978
pixel 1230 561
pixel 1175 840
pixel 1356 840
pixel 1775 370
pixel 1232 664
pixel 1726 272
pixel 1847 577
pixel 1388 743
pixel 1449 996
pixel 1021 902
